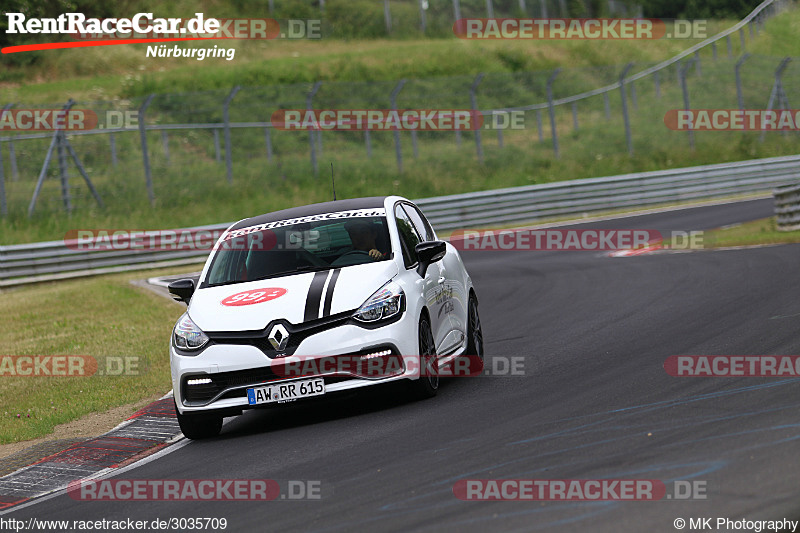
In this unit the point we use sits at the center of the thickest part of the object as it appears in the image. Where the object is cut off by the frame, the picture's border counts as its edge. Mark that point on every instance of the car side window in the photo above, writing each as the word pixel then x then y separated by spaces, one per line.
pixel 409 236
pixel 420 222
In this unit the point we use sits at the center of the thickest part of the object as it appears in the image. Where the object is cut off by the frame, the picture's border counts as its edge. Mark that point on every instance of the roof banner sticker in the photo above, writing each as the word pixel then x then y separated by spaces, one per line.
pixel 354 213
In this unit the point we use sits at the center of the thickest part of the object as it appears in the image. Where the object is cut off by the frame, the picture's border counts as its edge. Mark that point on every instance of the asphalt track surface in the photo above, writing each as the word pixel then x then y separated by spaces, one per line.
pixel 595 402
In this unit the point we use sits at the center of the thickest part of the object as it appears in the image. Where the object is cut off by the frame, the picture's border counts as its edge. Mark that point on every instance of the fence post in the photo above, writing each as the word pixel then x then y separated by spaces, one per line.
pixel 697 64
pixel 311 143
pixel 539 124
pixel 165 144
pixel 143 141
pixel 575 116
pixel 217 153
pixel 489 9
pixel 422 20
pixel 368 142
pixel 552 109
pixel 396 133
pixel 741 38
pixel 499 129
pixel 42 174
pixel 319 143
pixel 62 163
pixel 739 94
pixel 456 10
pixel 522 7
pixel 12 155
pixel 112 139
pixel 543 4
pixel 387 16
pixel 625 117
pixel 268 141
pixel 657 83
pixel 777 91
pixel 473 100
pixel 227 120
pixel 83 172
pixel 686 106
pixel 3 205
pixel 714 50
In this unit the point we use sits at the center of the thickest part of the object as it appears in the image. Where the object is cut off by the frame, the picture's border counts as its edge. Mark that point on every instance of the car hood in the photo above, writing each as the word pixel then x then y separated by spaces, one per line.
pixel 298 298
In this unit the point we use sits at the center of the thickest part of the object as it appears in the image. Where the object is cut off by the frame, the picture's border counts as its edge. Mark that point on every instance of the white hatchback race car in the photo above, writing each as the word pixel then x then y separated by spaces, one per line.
pixel 315 300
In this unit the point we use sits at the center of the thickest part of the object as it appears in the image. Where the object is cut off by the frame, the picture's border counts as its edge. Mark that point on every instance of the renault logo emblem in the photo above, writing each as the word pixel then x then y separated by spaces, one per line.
pixel 278 337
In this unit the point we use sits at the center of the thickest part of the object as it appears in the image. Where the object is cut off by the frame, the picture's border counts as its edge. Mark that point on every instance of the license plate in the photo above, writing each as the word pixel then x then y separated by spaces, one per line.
pixel 286 391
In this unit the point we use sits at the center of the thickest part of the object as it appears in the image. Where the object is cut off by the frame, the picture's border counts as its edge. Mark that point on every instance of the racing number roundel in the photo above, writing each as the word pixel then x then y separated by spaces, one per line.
pixel 254 296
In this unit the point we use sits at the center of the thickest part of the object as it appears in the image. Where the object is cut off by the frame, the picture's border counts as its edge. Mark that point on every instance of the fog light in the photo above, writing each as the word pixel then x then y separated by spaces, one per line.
pixel 382 353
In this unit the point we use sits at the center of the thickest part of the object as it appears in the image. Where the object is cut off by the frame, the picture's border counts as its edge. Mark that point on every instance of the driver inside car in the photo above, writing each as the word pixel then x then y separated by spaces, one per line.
pixel 363 235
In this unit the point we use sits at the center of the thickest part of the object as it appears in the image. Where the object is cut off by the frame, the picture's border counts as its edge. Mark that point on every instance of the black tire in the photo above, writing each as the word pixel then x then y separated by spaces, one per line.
pixel 428 382
pixel 474 330
pixel 196 427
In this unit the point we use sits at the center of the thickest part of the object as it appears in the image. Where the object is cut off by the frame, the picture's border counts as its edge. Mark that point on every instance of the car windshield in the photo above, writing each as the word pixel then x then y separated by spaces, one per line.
pixel 278 249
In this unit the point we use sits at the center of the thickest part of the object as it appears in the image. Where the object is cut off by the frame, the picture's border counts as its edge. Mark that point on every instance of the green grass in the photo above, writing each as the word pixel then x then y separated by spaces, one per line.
pixel 191 188
pixel 98 317
pixel 100 73
pixel 763 231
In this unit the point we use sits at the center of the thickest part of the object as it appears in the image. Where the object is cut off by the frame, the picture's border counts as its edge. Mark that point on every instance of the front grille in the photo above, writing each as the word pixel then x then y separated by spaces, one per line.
pixel 297 334
pixel 239 380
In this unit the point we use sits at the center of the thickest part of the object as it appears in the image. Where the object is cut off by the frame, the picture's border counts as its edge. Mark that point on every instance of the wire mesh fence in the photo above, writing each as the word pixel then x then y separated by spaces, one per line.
pixel 166 144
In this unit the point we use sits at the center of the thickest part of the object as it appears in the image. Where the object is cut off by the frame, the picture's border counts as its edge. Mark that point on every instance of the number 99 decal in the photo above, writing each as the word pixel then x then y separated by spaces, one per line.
pixel 255 296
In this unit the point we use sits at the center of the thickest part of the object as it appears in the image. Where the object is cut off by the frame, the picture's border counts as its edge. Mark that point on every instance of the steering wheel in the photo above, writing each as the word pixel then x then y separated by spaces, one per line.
pixel 353 252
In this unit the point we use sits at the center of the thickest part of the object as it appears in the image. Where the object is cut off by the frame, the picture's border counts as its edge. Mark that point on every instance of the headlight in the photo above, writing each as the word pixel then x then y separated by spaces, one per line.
pixel 187 336
pixel 385 303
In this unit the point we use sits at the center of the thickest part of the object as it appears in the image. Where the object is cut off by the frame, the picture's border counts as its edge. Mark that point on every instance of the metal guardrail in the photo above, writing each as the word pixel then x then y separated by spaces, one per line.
pixel 787 207
pixel 47 261
pixel 623 82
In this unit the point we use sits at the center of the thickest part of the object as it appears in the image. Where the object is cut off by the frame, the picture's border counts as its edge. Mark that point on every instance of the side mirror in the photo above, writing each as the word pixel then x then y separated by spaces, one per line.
pixel 429 252
pixel 182 290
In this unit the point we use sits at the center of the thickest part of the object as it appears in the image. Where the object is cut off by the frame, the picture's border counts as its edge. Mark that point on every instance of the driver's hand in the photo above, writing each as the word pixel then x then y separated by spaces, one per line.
pixel 375 254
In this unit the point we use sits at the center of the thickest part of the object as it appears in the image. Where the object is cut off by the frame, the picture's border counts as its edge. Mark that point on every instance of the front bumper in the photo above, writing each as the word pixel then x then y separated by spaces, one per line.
pixel 233 368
